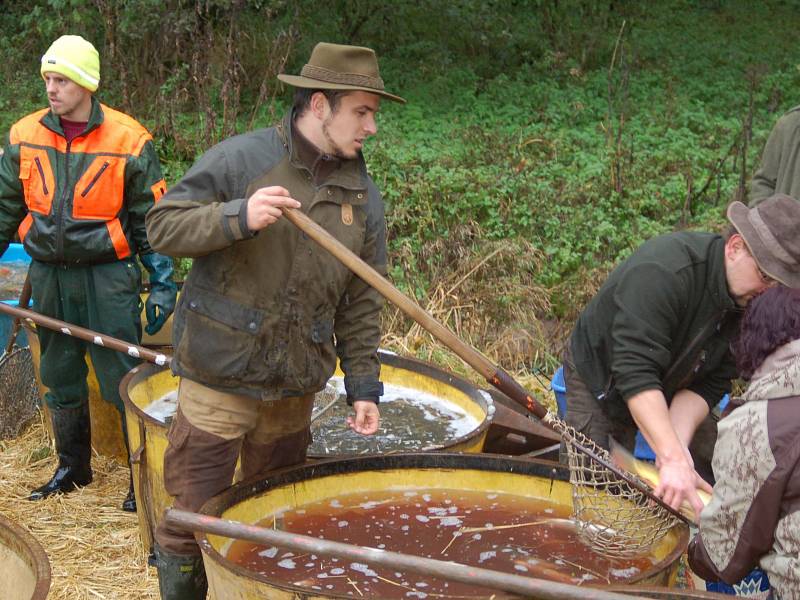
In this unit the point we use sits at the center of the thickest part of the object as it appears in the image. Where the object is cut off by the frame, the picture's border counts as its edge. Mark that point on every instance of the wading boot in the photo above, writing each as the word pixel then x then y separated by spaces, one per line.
pixel 72 432
pixel 180 576
pixel 129 504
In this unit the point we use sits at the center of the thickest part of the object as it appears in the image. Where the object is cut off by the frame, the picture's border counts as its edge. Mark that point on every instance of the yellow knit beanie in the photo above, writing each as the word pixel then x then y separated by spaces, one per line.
pixel 74 58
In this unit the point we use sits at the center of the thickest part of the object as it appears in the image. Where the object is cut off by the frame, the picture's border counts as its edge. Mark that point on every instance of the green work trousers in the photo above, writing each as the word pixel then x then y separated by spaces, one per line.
pixel 103 298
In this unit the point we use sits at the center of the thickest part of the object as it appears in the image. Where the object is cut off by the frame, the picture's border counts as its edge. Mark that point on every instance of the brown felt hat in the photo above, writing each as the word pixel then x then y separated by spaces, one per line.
pixel 337 67
pixel 771 231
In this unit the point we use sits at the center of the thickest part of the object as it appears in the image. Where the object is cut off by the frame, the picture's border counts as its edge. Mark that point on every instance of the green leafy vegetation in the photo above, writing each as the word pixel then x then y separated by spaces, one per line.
pixel 543 141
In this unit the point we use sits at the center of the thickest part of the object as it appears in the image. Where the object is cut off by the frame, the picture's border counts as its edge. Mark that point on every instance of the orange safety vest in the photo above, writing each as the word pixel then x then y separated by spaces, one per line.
pixel 76 189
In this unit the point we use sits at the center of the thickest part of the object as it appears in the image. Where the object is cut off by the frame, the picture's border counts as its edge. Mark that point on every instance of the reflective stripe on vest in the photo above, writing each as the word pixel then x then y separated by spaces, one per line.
pixel 118 238
pixel 25 226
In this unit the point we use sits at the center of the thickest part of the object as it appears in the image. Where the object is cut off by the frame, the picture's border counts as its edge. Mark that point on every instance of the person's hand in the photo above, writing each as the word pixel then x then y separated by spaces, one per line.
pixel 158 307
pixel 163 291
pixel 367 417
pixel 264 206
pixel 678 481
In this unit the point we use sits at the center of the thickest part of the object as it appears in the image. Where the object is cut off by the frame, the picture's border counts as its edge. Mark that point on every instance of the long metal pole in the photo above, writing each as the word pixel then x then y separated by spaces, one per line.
pixel 24 300
pixel 525 586
pixel 87 335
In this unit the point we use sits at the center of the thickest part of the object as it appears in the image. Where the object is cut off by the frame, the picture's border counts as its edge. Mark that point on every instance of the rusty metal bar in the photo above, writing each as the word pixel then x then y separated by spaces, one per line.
pixel 87 335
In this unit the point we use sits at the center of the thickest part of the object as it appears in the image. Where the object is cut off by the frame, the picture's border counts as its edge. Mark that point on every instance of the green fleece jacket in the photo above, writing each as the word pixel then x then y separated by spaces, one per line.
pixel 779 172
pixel 663 320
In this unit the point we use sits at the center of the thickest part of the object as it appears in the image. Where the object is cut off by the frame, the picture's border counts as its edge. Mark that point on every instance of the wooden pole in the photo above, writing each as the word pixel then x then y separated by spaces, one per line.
pixel 496 376
pixel 493 374
pixel 24 300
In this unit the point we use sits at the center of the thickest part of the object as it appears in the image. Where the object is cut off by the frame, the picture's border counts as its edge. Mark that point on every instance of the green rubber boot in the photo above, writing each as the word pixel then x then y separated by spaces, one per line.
pixel 180 576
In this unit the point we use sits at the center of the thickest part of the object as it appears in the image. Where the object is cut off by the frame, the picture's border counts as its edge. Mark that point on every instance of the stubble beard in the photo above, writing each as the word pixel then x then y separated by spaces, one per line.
pixel 336 150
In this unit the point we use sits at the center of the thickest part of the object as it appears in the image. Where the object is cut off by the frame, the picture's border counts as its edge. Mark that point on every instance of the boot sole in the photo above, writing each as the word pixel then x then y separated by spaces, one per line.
pixel 37 495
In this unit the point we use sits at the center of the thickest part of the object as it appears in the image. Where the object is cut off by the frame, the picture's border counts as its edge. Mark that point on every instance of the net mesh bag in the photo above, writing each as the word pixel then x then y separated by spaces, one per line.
pixel 324 400
pixel 615 517
pixel 19 396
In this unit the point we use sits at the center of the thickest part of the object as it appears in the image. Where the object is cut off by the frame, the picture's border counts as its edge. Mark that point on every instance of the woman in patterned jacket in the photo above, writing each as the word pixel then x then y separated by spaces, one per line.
pixel 754 515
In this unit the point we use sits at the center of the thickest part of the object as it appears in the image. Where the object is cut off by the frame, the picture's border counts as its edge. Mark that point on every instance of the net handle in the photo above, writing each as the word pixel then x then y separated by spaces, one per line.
pixel 87 335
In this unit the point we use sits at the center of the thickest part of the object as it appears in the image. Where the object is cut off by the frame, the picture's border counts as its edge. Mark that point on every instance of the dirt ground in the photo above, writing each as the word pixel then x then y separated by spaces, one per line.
pixel 93 546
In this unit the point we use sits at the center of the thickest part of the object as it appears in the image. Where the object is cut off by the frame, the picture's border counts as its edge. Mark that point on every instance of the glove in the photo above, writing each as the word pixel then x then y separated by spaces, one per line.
pixel 163 291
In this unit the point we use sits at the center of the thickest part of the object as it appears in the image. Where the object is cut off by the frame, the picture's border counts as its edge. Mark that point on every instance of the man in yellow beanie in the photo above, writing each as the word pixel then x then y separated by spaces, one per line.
pixel 76 181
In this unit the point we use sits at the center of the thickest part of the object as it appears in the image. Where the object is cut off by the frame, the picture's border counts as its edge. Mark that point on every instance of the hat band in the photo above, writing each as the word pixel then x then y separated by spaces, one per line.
pixel 328 76
pixel 769 240
pixel 54 60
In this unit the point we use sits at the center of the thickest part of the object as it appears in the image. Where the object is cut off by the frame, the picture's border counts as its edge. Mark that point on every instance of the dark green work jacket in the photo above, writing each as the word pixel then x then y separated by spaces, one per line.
pixel 779 171
pixel 79 202
pixel 663 320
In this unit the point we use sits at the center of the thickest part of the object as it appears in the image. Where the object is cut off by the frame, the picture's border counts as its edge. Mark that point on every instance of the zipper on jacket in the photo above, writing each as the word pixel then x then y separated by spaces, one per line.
pixel 41 174
pixel 698 340
pixel 60 207
pixel 94 179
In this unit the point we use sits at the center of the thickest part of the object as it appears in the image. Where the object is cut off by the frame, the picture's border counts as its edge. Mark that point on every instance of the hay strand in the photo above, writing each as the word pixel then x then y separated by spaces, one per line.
pixel 93 547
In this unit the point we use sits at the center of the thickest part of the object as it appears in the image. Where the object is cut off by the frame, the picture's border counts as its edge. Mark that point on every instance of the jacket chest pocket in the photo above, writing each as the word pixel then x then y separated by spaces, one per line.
pixel 38 183
pixel 99 192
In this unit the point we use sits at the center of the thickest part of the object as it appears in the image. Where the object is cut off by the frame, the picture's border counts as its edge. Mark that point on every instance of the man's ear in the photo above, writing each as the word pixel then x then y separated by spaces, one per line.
pixel 733 245
pixel 319 105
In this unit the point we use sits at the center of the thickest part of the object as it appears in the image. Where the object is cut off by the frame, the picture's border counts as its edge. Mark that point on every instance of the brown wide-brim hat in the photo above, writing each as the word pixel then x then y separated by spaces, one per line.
pixel 770 230
pixel 337 67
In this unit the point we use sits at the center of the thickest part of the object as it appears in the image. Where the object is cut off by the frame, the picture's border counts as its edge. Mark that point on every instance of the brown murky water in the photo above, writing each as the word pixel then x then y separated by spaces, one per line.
pixel 502 532
pixel 12 278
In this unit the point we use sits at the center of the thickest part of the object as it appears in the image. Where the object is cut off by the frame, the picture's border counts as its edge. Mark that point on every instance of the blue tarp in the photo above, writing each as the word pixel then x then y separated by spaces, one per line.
pixel 14 253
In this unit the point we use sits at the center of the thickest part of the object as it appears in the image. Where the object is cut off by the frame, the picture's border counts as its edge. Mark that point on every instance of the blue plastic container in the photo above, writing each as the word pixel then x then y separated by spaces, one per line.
pixel 642 449
pixel 560 390
pixel 14 253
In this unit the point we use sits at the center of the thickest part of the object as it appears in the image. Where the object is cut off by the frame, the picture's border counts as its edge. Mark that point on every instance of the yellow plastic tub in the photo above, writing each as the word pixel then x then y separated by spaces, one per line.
pixel 24 568
pixel 148 435
pixel 299 486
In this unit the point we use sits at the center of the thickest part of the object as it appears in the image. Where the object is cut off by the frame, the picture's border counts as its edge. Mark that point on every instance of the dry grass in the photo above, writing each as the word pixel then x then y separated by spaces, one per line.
pixel 484 292
pixel 93 547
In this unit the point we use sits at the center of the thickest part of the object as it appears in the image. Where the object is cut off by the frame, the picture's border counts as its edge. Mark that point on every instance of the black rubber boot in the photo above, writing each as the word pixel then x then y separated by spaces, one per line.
pixel 72 431
pixel 180 576
pixel 129 504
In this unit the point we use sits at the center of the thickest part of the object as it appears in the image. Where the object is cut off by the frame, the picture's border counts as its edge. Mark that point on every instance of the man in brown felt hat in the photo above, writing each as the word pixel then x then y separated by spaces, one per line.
pixel 255 324
pixel 651 349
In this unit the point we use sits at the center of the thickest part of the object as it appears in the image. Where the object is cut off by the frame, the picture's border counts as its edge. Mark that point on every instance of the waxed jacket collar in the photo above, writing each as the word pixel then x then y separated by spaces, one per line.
pixel 320 164
pixel 53 122
pixel 351 174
